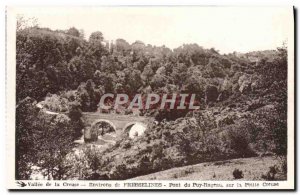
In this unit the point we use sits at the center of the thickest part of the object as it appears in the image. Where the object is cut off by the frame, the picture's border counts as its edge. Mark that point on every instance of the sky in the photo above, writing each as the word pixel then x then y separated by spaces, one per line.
pixel 226 29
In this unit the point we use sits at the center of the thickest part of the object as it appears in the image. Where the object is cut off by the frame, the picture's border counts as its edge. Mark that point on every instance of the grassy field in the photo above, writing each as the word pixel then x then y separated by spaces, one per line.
pixel 252 169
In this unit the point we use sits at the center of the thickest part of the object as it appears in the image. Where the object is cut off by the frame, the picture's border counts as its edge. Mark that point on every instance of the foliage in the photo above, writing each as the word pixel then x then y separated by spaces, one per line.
pixel 25 137
pixel 55 141
pixel 239 140
pixel 237 174
pixel 70 74
pixel 270 175
pixel 47 137
pixel 75 115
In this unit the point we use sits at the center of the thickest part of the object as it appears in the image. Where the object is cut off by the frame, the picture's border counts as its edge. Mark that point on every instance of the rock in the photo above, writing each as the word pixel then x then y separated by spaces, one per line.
pixel 245 87
pixel 226 85
pixel 248 83
pixel 90 135
pixel 137 130
pixel 225 89
pixel 87 134
pixel 256 82
pixel 236 77
pixel 244 83
pixel 267 108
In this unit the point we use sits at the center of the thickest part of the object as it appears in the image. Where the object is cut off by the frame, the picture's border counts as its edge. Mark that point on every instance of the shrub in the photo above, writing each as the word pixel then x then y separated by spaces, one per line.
pixel 175 176
pixel 153 178
pixel 239 140
pixel 270 175
pixel 271 127
pixel 284 166
pixel 214 175
pixel 75 115
pixel 189 171
pixel 119 172
pixel 237 174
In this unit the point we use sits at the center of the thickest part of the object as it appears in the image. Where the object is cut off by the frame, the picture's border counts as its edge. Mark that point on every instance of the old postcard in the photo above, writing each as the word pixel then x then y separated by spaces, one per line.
pixel 150 98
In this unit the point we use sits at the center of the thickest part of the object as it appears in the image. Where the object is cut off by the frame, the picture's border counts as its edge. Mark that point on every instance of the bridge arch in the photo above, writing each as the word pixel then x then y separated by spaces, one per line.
pixel 95 123
pixel 105 121
pixel 94 130
pixel 128 127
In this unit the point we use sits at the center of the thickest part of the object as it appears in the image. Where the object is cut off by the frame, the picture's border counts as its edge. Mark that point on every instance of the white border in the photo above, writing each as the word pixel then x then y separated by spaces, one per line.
pixel 11 79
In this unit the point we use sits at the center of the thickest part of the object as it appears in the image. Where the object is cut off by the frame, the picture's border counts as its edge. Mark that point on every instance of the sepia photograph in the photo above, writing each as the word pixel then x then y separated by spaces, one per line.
pixel 150 98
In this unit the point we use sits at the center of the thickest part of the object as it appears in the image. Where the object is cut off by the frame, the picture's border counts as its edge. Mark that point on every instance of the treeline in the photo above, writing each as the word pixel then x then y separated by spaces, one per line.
pixel 60 61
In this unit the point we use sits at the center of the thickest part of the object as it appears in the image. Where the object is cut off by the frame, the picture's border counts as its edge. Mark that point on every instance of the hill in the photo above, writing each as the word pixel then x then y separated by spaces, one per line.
pixel 252 169
pixel 242 99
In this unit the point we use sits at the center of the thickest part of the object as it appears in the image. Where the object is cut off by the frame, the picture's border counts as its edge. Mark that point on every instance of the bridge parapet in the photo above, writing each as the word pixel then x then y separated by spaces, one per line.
pixel 119 121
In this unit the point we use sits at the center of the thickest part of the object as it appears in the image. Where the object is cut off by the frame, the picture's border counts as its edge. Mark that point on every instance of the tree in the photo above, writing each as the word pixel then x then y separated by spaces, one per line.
pixel 89 96
pixel 214 69
pixel 157 81
pixel 195 85
pixel 138 45
pixel 138 50
pixel 93 157
pixel 26 113
pixel 147 74
pixel 104 80
pixel 43 54
pixel 54 142
pixel 205 123
pixel 108 64
pixel 274 74
pixel 95 50
pixel 96 37
pixel 76 68
pixel 23 22
pixel 179 74
pixel 133 80
pixel 122 46
pixel 73 31
pixel 75 115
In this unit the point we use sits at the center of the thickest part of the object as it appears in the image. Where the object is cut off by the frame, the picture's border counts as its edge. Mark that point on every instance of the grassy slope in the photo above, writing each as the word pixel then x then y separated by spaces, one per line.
pixel 252 168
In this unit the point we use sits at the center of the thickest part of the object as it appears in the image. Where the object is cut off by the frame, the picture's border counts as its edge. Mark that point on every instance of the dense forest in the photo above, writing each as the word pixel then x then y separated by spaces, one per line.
pixel 243 99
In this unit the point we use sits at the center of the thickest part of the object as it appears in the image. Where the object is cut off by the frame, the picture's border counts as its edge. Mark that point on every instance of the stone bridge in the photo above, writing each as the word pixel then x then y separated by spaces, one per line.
pixel 119 123
pixel 95 122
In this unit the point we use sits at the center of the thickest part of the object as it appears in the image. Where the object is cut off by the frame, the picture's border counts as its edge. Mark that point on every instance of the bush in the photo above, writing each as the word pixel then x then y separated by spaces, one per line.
pixel 270 175
pixel 271 127
pixel 284 166
pixel 214 175
pixel 237 174
pixel 127 144
pixel 189 171
pixel 75 115
pixel 239 140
